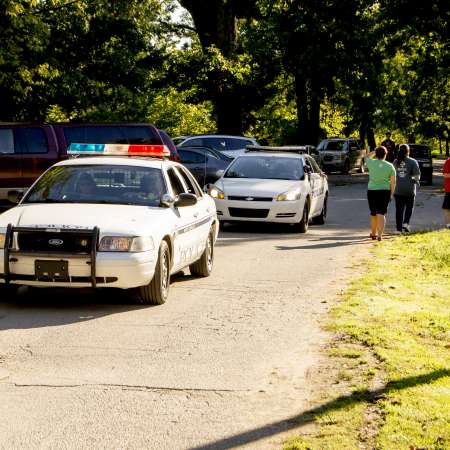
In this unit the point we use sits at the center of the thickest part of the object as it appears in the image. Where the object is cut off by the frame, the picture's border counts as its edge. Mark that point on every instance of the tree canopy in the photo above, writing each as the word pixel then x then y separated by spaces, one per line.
pixel 289 71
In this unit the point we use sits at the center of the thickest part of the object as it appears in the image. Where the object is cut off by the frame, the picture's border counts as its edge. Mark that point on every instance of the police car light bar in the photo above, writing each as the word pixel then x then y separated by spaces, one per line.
pixel 158 151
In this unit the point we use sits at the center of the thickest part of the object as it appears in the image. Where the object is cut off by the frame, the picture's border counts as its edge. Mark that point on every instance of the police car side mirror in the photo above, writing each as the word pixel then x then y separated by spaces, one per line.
pixel 219 173
pixel 167 200
pixel 15 196
pixel 185 199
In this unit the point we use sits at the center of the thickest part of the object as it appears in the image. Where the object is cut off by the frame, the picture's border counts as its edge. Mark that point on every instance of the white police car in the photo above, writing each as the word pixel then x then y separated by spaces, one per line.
pixel 110 221
pixel 272 184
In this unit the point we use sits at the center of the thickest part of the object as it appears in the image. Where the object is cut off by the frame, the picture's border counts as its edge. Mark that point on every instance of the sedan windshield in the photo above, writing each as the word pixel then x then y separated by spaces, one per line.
pixel 125 185
pixel 332 145
pixel 266 168
pixel 419 151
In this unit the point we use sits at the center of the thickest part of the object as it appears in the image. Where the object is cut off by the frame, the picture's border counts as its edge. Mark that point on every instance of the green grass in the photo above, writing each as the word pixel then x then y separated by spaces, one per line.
pixel 390 362
pixel 437 155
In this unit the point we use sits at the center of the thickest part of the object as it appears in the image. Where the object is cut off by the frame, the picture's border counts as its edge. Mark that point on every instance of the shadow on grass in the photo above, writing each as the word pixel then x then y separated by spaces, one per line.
pixel 363 395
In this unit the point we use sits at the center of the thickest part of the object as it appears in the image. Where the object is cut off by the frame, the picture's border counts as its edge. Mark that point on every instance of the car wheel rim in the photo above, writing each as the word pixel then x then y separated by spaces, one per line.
pixel 209 252
pixel 165 274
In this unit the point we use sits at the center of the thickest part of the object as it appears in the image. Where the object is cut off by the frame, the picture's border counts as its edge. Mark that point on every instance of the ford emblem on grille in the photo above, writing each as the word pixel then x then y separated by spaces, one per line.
pixel 249 199
pixel 56 242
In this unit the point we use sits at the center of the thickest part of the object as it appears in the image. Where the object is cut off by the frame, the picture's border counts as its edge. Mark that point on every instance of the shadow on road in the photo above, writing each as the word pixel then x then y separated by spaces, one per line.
pixel 295 422
pixel 36 308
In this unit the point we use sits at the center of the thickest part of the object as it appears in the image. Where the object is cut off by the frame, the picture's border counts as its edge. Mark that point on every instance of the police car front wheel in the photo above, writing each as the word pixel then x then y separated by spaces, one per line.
pixel 303 225
pixel 157 291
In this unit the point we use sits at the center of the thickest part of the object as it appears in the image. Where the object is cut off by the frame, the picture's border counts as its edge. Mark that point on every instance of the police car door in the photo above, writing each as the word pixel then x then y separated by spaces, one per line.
pixel 202 213
pixel 183 245
pixel 316 183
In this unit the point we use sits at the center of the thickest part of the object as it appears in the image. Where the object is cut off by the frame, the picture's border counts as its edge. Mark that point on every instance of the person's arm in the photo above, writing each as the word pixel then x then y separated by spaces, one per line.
pixel 371 154
pixel 446 170
pixel 415 175
pixel 393 179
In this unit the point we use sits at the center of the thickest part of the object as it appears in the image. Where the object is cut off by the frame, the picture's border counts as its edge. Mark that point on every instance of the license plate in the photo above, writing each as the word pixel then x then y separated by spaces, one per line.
pixel 51 270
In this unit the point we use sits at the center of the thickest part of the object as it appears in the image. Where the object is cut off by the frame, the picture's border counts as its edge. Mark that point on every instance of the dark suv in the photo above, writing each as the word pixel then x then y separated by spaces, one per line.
pixel 342 154
pixel 422 154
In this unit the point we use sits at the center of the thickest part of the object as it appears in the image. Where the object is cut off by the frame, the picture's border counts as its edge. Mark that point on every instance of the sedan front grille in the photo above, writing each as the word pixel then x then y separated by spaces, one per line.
pixel 54 242
pixel 249 198
pixel 251 213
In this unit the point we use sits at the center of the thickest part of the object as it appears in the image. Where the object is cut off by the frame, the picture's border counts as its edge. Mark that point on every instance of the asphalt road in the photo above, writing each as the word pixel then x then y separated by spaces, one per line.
pixel 225 363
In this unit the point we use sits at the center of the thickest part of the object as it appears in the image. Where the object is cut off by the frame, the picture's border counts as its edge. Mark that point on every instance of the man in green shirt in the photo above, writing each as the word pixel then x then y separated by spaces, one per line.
pixel 380 190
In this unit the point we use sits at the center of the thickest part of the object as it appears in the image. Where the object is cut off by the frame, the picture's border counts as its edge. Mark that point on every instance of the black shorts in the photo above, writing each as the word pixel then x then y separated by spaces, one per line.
pixel 446 204
pixel 378 201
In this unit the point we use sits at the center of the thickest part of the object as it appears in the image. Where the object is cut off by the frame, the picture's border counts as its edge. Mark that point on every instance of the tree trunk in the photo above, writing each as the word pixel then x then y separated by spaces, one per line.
pixel 216 25
pixel 308 111
pixel 228 110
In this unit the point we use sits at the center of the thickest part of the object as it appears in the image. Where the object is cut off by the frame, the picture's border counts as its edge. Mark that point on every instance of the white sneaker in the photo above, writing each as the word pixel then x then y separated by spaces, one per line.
pixel 406 227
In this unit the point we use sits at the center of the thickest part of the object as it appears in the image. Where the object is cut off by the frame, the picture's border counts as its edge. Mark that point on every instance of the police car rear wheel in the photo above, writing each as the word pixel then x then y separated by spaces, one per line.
pixel 157 291
pixel 203 267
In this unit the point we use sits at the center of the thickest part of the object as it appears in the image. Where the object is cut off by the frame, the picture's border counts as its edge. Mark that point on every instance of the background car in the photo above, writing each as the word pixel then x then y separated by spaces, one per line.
pixel 203 163
pixel 342 154
pixel 422 154
pixel 229 145
pixel 269 185
pixel 174 156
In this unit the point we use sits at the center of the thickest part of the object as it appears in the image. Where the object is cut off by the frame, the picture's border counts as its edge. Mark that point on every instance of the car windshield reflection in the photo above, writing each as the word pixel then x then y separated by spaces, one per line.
pixel 102 184
pixel 266 168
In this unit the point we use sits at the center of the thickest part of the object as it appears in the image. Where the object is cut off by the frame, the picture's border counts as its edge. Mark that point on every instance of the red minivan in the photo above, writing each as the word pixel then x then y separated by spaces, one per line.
pixel 27 150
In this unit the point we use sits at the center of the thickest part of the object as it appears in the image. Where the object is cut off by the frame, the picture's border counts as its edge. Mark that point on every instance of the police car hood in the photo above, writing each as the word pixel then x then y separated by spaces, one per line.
pixel 126 220
pixel 255 187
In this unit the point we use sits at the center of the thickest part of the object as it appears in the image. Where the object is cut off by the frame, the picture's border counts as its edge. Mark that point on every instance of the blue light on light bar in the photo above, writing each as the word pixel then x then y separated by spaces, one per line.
pixel 86 148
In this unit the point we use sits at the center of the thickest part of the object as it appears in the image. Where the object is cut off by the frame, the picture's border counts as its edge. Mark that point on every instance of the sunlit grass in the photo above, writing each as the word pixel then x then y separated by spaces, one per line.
pixel 394 321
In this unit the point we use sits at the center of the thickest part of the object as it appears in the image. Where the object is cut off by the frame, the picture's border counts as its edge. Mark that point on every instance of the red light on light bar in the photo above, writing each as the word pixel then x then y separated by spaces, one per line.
pixel 160 151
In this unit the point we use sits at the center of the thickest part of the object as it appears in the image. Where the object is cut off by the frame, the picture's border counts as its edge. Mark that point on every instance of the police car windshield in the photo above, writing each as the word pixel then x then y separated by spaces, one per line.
pixel 123 185
pixel 266 168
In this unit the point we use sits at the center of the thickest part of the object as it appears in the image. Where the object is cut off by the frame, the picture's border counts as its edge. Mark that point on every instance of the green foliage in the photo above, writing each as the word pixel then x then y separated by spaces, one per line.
pixel 172 111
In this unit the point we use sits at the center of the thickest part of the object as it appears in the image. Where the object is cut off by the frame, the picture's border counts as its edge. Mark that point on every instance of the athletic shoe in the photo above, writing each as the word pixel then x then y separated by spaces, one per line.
pixel 406 227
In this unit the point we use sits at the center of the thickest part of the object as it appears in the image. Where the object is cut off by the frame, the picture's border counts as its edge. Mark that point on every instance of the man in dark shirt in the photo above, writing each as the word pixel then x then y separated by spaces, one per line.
pixel 389 144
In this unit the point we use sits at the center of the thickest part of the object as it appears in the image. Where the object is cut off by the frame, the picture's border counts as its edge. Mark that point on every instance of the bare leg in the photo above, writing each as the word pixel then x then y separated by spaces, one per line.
pixel 373 225
pixel 381 222
pixel 447 217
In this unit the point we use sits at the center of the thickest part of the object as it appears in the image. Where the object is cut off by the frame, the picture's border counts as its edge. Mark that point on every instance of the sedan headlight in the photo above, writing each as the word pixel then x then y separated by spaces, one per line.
pixel 126 244
pixel 2 240
pixel 289 196
pixel 215 192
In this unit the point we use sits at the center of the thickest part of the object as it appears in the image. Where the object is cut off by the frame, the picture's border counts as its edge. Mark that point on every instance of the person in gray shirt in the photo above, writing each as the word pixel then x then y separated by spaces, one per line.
pixel 408 176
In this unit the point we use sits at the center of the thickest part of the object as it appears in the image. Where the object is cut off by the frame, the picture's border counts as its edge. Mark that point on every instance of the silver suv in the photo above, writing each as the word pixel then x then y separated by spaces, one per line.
pixel 231 146
pixel 342 154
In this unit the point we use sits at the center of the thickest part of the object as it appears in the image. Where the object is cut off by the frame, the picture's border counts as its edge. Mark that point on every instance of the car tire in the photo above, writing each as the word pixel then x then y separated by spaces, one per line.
pixel 203 267
pixel 320 219
pixel 156 292
pixel 346 168
pixel 302 226
pixel 8 291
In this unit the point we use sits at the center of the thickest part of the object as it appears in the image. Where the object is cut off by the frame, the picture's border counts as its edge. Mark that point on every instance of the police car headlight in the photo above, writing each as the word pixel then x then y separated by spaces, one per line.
pixel 142 244
pixel 126 244
pixel 289 196
pixel 215 192
pixel 2 240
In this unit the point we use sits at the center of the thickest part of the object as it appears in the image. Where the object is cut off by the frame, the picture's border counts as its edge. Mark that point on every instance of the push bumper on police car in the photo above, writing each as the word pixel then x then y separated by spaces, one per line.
pixel 28 257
